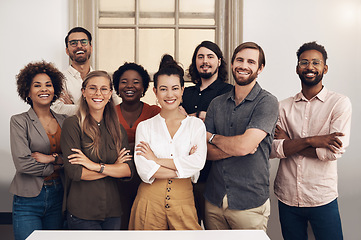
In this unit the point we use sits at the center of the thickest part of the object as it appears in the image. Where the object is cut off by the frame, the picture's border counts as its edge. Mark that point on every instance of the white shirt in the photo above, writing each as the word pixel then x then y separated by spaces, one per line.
pixel 154 131
pixel 72 85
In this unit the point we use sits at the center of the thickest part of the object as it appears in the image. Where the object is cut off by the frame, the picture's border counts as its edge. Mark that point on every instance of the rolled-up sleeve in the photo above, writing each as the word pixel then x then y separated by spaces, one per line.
pixel 21 152
pixel 71 138
pixel 189 166
pixel 340 122
pixel 145 168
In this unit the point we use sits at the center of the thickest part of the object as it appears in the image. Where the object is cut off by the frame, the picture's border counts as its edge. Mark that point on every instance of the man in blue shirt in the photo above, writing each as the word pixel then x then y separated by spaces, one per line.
pixel 240 129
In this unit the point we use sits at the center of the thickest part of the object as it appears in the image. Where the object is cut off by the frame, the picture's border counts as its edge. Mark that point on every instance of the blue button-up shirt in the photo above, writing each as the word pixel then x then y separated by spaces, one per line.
pixel 245 179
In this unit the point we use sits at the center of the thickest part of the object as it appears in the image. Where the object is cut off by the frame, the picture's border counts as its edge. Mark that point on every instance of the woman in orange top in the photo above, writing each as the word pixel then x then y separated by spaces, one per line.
pixel 131 81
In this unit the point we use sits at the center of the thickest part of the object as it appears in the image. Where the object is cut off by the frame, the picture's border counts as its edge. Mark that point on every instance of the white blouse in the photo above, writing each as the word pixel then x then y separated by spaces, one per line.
pixel 154 131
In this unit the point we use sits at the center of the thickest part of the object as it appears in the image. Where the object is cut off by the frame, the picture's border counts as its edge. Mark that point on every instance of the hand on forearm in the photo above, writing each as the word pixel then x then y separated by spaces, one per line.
pixel 329 141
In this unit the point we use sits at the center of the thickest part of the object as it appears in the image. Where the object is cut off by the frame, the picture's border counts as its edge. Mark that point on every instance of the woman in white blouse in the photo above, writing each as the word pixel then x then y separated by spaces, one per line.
pixel 170 151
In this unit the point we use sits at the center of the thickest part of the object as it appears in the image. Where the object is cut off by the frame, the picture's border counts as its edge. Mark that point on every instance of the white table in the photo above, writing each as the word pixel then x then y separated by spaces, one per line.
pixel 150 235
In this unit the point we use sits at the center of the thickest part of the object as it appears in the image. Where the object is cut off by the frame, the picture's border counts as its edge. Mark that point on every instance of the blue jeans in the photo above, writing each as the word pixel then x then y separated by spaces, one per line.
pixel 325 221
pixel 75 223
pixel 38 213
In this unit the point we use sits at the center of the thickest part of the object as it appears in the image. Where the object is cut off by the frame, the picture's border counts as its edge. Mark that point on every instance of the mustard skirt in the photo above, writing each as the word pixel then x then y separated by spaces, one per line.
pixel 164 204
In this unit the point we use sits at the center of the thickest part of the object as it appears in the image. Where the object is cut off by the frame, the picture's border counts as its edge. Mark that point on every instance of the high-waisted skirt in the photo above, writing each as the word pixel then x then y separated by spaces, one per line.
pixel 164 204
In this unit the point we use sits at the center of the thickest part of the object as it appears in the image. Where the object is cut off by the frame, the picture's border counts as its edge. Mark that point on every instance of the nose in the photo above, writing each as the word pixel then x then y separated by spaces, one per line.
pixel 310 66
pixel 98 92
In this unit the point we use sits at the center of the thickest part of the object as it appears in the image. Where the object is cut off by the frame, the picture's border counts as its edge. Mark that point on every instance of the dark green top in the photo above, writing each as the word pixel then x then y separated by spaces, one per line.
pixel 97 199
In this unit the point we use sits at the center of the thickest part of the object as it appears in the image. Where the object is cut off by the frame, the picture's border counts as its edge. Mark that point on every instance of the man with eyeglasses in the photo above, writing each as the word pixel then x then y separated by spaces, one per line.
pixel 312 132
pixel 79 49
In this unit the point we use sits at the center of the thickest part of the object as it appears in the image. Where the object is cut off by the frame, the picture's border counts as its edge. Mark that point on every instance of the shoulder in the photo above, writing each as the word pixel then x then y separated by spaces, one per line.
pixel 224 87
pixel 20 119
pixel 190 89
pixel 71 121
pixel 151 108
pixel 194 121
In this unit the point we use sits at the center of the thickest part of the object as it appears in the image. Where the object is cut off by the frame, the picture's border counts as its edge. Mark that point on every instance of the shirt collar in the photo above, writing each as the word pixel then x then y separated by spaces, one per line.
pixel 214 85
pixel 321 96
pixel 75 72
pixel 251 95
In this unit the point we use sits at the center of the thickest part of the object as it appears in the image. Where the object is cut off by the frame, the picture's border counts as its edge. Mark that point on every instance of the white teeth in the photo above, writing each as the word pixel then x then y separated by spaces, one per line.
pixel 44 95
pixel 170 101
pixel 243 73
pixel 129 92
pixel 310 74
pixel 97 100
pixel 79 52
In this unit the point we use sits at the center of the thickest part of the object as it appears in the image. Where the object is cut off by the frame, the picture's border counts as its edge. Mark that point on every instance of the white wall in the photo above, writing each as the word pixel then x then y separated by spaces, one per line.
pixel 281 27
pixel 35 30
pixel 30 31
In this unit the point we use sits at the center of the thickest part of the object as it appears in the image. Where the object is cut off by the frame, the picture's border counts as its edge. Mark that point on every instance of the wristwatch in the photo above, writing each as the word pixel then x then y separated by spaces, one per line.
pixel 102 166
pixel 56 156
pixel 211 138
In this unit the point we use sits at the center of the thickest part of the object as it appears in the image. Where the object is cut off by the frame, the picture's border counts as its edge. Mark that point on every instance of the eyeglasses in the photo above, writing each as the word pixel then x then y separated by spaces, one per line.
pixel 83 42
pixel 93 89
pixel 305 63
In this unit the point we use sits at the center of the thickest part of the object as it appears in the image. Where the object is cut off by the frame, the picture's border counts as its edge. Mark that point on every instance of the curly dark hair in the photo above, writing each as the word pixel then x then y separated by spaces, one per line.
pixel 312 46
pixel 26 75
pixel 222 70
pixel 131 66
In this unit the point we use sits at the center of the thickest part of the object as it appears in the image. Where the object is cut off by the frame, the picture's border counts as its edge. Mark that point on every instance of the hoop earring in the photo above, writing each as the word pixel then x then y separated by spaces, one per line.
pixel 28 99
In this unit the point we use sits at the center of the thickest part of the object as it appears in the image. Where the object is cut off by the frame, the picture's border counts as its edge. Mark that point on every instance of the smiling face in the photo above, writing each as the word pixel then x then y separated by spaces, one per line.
pixel 169 92
pixel 79 54
pixel 131 86
pixel 245 66
pixel 97 93
pixel 207 63
pixel 41 90
pixel 311 75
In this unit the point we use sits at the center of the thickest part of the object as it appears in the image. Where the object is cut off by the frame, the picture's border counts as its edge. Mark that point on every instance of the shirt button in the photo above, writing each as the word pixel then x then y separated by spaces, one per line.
pixel 200 94
pixel 166 206
pixel 167 198
pixel 168 189
pixel 195 106
pixel 169 181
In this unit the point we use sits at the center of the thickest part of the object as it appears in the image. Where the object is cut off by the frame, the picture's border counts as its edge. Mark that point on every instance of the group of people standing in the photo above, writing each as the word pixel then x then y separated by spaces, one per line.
pixel 202 157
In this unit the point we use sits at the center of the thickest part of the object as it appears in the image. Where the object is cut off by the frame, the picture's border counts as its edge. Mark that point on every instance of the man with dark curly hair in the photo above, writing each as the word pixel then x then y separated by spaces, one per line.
pixel 79 48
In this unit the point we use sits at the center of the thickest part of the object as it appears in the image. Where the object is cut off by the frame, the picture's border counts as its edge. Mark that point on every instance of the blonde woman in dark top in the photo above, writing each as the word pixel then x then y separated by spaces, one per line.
pixel 35 148
pixel 95 148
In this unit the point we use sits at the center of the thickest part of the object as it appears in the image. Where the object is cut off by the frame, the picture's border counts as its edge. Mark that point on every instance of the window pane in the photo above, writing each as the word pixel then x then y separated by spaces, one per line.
pixel 156 11
pixel 188 44
pixel 116 12
pixel 115 46
pixel 153 43
pixel 200 12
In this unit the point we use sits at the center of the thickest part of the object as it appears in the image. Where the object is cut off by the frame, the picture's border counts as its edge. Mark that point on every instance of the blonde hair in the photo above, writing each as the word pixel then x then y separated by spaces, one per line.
pixel 89 126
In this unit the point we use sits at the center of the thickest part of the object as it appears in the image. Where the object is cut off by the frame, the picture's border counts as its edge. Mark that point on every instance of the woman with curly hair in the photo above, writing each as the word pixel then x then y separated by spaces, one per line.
pixel 131 81
pixel 35 148
pixel 95 148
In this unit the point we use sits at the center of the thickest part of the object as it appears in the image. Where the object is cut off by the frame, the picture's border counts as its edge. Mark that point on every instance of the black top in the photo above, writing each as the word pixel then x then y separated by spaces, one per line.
pixel 97 199
pixel 195 100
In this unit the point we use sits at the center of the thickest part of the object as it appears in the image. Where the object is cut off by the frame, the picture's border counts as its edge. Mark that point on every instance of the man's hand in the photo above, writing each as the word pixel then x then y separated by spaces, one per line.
pixel 280 133
pixel 330 141
pixel 65 98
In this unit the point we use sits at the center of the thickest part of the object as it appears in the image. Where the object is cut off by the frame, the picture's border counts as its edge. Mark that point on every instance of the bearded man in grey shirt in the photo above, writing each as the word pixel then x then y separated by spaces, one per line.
pixel 240 129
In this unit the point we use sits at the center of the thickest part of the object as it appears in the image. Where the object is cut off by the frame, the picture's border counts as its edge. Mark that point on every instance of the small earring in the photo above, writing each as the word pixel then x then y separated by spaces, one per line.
pixel 28 99
pixel 156 102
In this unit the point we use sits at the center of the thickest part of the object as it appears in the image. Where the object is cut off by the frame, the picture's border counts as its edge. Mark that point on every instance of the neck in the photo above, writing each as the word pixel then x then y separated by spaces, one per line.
pixel 311 91
pixel 206 82
pixel 83 69
pixel 131 106
pixel 241 92
pixel 42 111
pixel 97 114
pixel 171 114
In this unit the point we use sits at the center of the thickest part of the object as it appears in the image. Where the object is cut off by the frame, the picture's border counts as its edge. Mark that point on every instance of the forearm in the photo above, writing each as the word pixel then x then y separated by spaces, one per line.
pixel 164 173
pixel 89 175
pixel 118 170
pixel 309 152
pixel 167 163
pixel 214 153
pixel 293 146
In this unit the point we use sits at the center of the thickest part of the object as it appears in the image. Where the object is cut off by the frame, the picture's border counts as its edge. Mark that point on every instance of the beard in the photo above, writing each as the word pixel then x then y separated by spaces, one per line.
pixel 81 59
pixel 304 80
pixel 250 78
pixel 208 75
